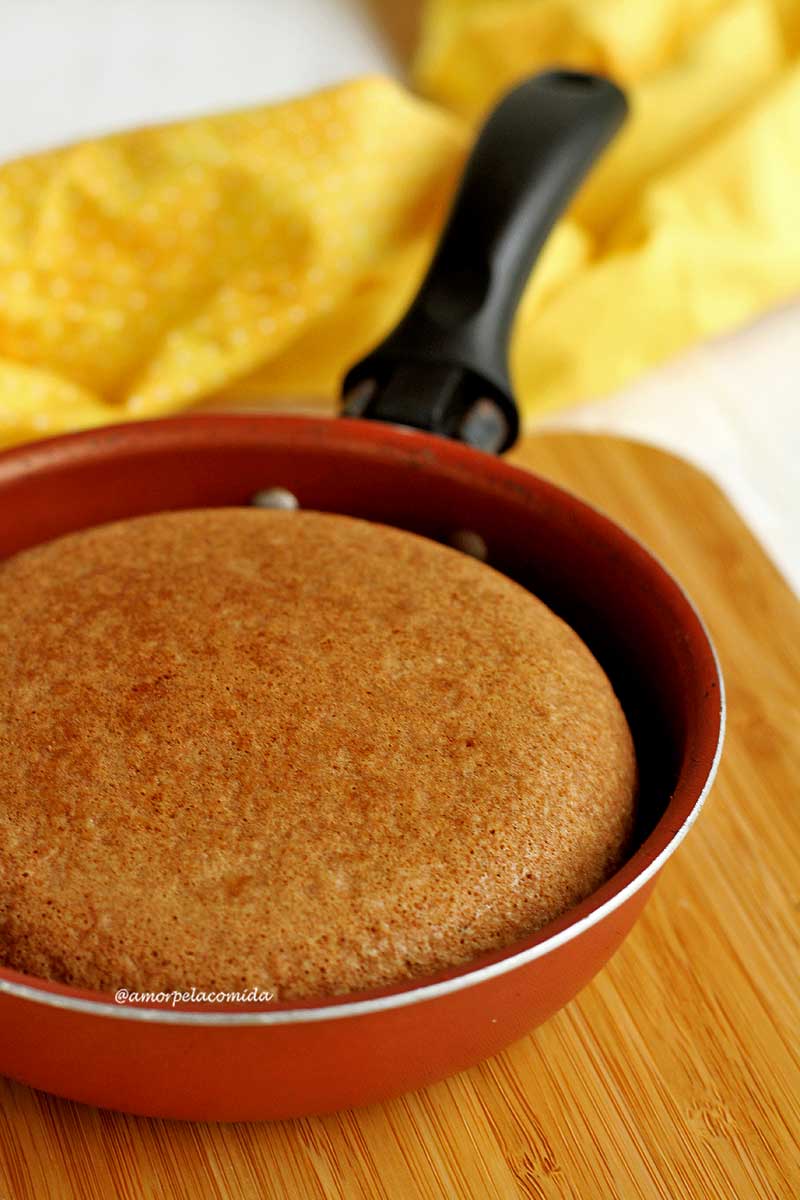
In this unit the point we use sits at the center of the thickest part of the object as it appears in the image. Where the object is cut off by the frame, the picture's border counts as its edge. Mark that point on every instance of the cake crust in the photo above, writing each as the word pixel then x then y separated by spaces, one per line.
pixel 293 751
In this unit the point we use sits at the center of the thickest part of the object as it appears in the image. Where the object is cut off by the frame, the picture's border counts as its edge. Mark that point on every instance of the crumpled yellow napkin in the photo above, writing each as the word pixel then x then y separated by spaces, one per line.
pixel 261 252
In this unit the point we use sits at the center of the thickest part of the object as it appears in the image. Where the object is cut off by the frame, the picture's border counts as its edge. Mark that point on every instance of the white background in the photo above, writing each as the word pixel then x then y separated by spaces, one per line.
pixel 74 67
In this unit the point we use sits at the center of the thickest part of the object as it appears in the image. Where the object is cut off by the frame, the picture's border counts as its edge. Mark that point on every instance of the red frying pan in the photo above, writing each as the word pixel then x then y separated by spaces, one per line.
pixel 428 410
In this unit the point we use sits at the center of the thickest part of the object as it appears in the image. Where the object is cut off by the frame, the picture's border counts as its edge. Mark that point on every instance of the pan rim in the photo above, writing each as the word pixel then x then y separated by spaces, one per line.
pixel 41 991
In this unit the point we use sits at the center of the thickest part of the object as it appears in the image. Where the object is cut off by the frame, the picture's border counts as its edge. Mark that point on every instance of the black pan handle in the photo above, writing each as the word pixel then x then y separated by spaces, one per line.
pixel 444 368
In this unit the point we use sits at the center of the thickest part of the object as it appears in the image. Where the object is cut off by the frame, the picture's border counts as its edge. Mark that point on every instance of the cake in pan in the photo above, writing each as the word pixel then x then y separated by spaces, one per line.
pixel 290 750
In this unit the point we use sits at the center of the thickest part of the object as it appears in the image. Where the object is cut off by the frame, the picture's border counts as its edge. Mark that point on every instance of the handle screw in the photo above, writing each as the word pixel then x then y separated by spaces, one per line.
pixel 485 426
pixel 469 542
pixel 276 497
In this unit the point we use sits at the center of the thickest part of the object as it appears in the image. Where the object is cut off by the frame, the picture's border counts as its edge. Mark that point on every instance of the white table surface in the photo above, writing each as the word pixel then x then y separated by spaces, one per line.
pixel 69 68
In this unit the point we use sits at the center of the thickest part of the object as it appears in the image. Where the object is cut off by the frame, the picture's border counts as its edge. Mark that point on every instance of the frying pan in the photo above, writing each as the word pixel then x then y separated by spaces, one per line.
pixel 426 412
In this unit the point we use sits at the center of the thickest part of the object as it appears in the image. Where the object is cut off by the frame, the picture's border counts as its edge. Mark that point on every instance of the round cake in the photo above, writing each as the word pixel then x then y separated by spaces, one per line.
pixel 291 751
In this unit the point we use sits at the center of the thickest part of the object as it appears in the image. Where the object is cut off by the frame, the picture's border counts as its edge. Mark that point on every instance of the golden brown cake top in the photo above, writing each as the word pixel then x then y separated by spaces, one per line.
pixel 293 751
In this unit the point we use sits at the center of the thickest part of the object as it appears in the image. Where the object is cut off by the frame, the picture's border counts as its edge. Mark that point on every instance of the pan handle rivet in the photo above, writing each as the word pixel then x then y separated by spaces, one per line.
pixel 359 398
pixel 469 542
pixel 485 425
pixel 276 497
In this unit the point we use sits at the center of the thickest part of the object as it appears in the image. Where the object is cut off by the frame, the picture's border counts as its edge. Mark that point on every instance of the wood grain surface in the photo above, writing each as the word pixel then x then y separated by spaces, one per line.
pixel 675 1074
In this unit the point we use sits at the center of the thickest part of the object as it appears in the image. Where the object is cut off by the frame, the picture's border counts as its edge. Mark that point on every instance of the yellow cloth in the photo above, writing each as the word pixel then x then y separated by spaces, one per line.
pixel 262 251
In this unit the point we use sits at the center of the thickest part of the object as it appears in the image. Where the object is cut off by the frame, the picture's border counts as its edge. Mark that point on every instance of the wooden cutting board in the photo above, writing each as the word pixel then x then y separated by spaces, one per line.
pixel 675 1074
